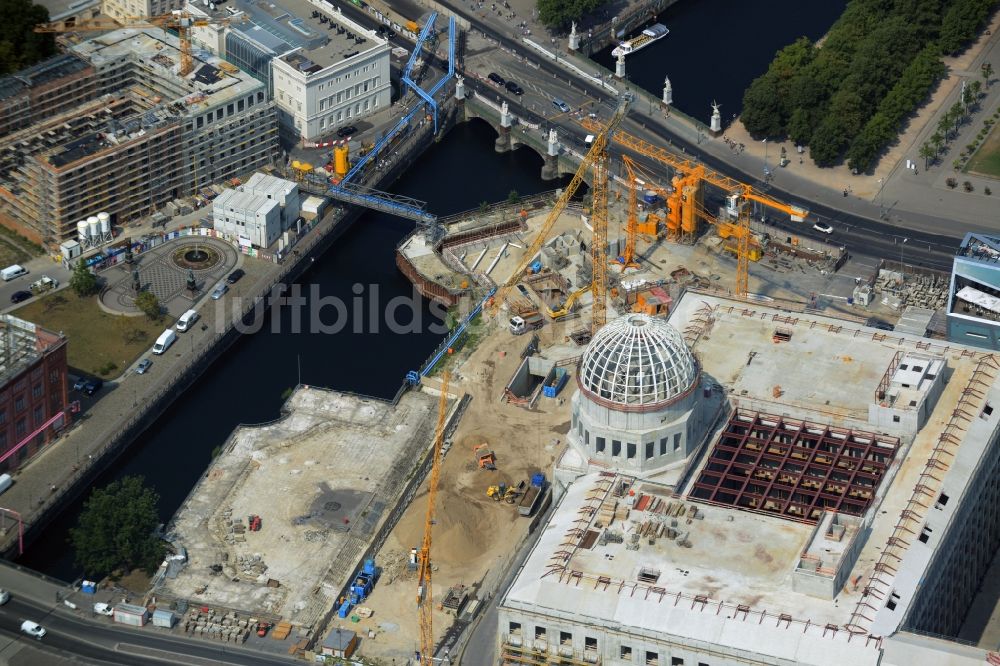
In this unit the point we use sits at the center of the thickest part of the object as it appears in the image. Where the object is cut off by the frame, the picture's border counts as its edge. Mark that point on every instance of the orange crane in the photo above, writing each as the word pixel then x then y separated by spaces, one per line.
pixel 425 602
pixel 596 158
pixel 182 22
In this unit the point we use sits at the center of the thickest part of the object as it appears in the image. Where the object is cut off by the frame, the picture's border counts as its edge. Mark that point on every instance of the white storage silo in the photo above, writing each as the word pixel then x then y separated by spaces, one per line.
pixel 82 230
pixel 95 227
pixel 105 221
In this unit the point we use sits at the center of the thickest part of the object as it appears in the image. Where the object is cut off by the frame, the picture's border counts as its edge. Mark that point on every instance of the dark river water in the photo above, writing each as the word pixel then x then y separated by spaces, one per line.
pixel 245 384
pixel 717 47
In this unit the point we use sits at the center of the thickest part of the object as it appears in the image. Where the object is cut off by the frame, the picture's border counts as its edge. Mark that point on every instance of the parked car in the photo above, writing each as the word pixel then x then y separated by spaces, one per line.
pixel 104 609
pixel 561 105
pixel 4 596
pixel 497 79
pixel 347 131
pixel 235 276
pixel 220 291
pixel 143 366
pixel 32 629
pixel 93 386
pixel 823 227
pixel 514 88
pixel 20 296
pixel 79 384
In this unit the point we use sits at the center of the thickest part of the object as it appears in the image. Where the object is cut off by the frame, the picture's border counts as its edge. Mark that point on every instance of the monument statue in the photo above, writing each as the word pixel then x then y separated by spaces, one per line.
pixel 192 284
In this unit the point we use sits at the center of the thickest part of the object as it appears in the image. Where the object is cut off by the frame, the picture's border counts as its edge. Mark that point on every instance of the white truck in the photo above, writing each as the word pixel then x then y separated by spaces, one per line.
pixel 529 321
pixel 43 284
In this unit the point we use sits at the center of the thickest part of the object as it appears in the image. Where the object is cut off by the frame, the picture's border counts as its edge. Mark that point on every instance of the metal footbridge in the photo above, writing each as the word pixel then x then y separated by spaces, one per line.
pixel 401 206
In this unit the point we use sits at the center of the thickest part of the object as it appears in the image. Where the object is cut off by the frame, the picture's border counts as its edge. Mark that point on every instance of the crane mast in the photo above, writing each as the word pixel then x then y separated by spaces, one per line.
pixel 425 602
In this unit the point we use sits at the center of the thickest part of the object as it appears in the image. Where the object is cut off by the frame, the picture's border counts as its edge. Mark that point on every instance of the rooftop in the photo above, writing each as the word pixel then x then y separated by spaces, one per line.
pixel 41 73
pixel 322 38
pixel 808 589
pixel 244 201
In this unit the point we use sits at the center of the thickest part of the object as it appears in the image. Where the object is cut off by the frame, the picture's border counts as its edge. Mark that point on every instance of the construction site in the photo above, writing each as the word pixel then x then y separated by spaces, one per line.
pixel 277 527
pixel 115 150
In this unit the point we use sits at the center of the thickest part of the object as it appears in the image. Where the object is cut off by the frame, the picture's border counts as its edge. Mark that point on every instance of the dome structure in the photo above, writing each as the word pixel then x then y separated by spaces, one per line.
pixel 637 363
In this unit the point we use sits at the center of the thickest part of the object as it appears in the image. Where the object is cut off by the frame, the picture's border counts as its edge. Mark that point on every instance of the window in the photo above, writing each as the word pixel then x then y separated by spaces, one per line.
pixel 514 628
pixel 19 404
pixel 940 504
pixel 978 336
pixel 616 447
pixel 20 428
pixel 649 450
pixel 925 534
pixel 36 391
pixel 589 643
pixel 230 109
pixel 586 435
pixel 630 450
pixel 39 415
pixel 677 441
pixel 600 444
pixel 895 418
pixel 893 600
pixel 674 661
pixel 625 652
pixel 539 633
pixel 3 416
pixel 565 638
pixel 663 446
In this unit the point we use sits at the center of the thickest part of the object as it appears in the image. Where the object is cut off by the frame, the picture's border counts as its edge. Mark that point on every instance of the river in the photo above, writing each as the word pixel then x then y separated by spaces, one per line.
pixel 717 47
pixel 246 383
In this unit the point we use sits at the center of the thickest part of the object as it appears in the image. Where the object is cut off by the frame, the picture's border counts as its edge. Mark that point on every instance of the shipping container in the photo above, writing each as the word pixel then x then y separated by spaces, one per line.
pixel 164 618
pixel 132 615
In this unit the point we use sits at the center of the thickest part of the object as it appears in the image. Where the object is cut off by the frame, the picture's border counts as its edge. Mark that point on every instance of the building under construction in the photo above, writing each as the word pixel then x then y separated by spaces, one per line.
pixel 146 136
pixel 840 507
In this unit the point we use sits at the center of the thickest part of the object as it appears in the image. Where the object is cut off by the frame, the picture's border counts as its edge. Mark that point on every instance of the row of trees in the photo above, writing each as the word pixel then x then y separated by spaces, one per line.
pixel 559 14
pixel 850 96
pixel 20 46
pixel 952 119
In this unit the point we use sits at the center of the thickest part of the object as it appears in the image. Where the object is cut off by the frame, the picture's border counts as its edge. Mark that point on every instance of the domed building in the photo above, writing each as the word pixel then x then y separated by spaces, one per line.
pixel 638 404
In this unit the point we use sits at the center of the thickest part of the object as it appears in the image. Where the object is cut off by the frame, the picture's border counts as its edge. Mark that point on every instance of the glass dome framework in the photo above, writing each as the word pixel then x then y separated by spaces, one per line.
pixel 637 363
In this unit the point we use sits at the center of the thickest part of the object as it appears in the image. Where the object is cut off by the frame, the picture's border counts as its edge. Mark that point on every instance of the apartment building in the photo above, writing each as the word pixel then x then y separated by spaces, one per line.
pixel 42 90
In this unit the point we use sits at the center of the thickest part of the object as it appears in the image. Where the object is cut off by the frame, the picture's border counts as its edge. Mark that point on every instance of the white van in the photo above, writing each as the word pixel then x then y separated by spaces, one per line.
pixel 186 320
pixel 12 272
pixel 164 341
pixel 6 481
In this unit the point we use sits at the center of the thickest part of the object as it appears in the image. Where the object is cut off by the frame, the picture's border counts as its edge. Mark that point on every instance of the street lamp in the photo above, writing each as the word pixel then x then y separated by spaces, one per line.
pixel 765 160
pixel 881 199
pixel 901 247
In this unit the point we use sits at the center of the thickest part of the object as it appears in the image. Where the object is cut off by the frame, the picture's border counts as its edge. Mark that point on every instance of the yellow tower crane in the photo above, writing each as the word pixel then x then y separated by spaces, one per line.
pixel 596 158
pixel 182 22
pixel 425 601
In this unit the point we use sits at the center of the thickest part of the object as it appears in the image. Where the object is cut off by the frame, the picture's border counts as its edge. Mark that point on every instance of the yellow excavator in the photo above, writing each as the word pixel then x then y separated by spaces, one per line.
pixel 567 307
pixel 505 493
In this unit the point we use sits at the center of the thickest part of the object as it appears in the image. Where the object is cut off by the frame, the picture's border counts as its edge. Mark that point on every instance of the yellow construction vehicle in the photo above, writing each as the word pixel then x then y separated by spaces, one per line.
pixel 505 493
pixel 182 22
pixel 567 306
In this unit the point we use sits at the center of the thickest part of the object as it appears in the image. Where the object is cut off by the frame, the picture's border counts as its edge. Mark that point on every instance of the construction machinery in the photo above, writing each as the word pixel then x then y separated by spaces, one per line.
pixel 504 493
pixel 182 22
pixel 485 458
pixel 567 306
pixel 425 601
pixel 596 159
pixel 684 204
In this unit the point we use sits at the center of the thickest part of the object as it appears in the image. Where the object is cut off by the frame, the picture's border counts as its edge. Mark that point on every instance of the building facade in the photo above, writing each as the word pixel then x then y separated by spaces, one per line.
pixel 324 70
pixel 121 10
pixel 43 90
pixel 33 392
pixel 248 218
pixel 150 138
pixel 974 296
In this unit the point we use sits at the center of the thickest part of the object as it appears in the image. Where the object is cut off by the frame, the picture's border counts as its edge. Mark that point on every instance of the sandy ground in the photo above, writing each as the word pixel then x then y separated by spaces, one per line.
pixel 840 177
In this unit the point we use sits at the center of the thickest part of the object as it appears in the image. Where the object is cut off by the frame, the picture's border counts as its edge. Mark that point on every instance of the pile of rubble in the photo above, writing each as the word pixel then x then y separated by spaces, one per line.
pixel 925 290
pixel 251 565
pixel 233 529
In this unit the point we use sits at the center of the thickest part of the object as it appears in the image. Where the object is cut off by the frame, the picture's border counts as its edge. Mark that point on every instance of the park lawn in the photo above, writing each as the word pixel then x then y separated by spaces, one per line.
pixel 96 339
pixel 986 160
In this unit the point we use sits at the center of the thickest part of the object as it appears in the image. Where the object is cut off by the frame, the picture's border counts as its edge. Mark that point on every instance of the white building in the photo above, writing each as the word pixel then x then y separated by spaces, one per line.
pixel 325 71
pixel 808 528
pixel 123 9
pixel 248 218
pixel 285 192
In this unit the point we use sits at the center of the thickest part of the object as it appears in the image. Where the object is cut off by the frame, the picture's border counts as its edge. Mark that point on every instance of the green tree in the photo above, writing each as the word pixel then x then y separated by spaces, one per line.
pixel 116 529
pixel 928 152
pixel 560 13
pixel 937 140
pixel 83 282
pixel 513 197
pixel 20 46
pixel 149 304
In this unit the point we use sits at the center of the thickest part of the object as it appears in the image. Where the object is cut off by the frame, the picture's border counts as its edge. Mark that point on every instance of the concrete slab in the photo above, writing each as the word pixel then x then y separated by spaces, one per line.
pixel 320 479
